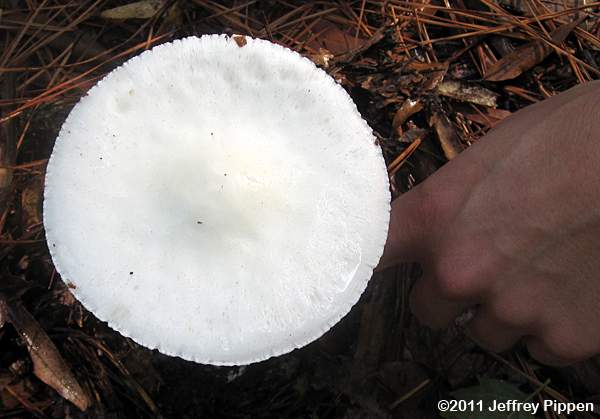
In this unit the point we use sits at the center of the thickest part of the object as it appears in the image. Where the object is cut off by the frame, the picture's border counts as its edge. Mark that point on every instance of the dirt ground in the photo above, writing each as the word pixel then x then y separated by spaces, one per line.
pixel 430 77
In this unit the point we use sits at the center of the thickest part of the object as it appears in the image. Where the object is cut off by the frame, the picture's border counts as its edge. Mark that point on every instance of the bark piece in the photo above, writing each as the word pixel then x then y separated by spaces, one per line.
pixel 467 93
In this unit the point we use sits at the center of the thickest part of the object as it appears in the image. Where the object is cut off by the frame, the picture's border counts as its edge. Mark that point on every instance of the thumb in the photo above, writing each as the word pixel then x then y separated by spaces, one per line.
pixel 408 235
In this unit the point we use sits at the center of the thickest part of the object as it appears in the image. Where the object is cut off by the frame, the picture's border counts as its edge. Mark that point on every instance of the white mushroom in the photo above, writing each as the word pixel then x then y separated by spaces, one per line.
pixel 221 201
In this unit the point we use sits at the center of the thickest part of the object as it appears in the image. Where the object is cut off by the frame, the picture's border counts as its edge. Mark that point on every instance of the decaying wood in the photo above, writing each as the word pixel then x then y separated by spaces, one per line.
pixel 467 93
pixel 144 9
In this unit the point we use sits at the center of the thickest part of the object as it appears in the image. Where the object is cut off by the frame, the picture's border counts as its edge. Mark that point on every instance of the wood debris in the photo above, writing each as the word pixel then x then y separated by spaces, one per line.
pixel 144 9
pixel 528 55
pixel 467 93
pixel 48 364
pixel 409 107
pixel 446 134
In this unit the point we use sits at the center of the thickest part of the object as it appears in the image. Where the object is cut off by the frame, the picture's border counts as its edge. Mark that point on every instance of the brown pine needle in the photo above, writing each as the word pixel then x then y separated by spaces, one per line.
pixel 397 163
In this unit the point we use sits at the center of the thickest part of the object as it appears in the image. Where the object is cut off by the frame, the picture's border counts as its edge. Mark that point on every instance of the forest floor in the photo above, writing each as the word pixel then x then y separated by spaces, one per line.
pixel 430 77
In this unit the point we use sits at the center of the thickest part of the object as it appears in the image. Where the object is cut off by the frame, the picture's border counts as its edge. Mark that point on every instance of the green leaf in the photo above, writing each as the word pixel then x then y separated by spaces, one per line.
pixel 490 391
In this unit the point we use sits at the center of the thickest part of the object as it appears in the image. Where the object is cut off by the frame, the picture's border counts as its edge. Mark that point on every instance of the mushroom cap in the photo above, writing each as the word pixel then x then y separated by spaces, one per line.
pixel 219 201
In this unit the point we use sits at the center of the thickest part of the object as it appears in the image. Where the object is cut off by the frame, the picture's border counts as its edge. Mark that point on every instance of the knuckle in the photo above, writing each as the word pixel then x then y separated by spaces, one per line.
pixel 560 344
pixel 511 312
pixel 453 280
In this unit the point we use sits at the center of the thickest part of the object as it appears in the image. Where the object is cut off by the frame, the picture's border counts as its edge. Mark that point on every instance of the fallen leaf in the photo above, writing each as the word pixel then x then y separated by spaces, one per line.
pixel 409 107
pixel 487 391
pixel 48 364
pixel 490 119
pixel 5 379
pixel 333 39
pixel 322 57
pixel 467 93
pixel 422 66
pixel 449 139
pixel 545 6
pixel 144 9
pixel 31 203
pixel 20 394
pixel 499 114
pixel 434 72
pixel 528 55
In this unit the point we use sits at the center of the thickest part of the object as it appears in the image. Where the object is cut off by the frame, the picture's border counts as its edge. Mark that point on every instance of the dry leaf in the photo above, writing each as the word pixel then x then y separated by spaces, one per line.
pixel 467 93
pixel 322 57
pixel 490 119
pixel 408 108
pixel 333 39
pixel 31 203
pixel 449 140
pixel 144 9
pixel 547 6
pixel 5 379
pixel 434 71
pixel 20 394
pixel 48 364
pixel 528 55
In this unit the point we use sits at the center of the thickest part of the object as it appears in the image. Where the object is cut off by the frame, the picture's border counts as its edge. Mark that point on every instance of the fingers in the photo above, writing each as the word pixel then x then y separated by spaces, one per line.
pixel 546 354
pixel 491 332
pixel 432 306
pixel 408 231
pixel 560 342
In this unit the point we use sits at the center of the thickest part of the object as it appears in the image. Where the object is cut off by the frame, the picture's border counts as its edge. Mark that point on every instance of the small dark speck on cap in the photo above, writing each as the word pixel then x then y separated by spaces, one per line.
pixel 53 244
pixel 100 158
pixel 224 174
pixel 130 273
pixel 198 222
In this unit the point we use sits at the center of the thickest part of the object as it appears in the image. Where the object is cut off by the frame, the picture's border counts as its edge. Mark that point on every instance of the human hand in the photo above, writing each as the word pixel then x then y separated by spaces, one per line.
pixel 512 226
